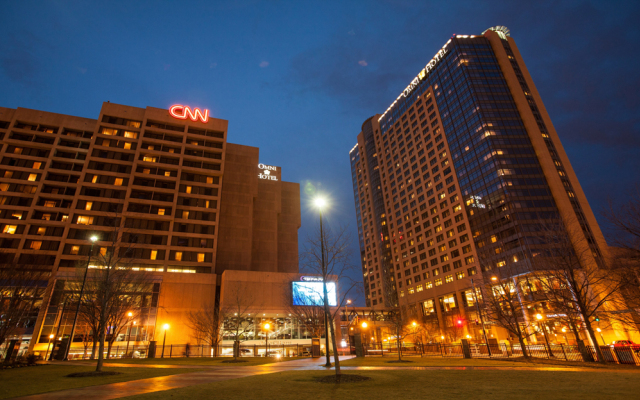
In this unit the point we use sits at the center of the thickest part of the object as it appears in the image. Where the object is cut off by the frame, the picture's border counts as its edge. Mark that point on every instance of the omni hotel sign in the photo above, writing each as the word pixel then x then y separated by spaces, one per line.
pixel 267 172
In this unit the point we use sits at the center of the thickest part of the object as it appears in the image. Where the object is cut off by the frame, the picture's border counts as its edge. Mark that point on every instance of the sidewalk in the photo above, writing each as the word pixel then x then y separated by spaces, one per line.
pixel 212 374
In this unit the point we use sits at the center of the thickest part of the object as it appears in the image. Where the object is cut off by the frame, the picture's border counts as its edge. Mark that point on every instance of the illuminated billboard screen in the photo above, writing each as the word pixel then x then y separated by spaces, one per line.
pixel 310 294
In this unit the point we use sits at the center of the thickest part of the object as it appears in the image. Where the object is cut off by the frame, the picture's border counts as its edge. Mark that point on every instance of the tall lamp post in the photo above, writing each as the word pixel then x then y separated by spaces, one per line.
pixel 602 337
pixel 320 203
pixel 130 315
pixel 539 317
pixel 266 327
pixel 93 239
pixel 48 347
pixel 164 340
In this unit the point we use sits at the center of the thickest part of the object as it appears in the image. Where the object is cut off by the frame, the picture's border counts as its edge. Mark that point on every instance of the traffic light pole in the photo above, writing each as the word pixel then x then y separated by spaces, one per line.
pixel 484 332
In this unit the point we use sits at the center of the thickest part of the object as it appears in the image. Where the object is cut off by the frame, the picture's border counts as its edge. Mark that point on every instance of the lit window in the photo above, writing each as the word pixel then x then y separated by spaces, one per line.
pixel 149 159
pixel 42 230
pixel 88 205
pixel 402 293
pixel 200 257
pixel 103 251
pixel 206 204
pixel 438 282
pixel 127 146
pixel 448 279
pixel 37 165
pixel 428 285
pixel 32 177
pixel 131 135
pixel 84 220
pixel 4 187
pixel 188 190
pixel 8 174
pixel 35 245
pixel 50 203
pixel 75 249
pixel 146 171
pixel 515 258
pixel 109 131
pixel 501 263
pixel 94 179
pixel 17 150
pixel 411 291
pixel 160 211
pixel 167 173
pixel 65 218
pixel 46 217
pixel 118 182
pixel 178 256
pixel 10 229
pixel 154 254
pixel 185 214
pixel 419 288
pixel 459 275
pixel 209 179
pixel 17 215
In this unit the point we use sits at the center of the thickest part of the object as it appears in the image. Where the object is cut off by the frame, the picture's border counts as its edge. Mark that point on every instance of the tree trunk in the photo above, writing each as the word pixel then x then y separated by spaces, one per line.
pixel 109 349
pixel 399 345
pixel 525 354
pixel 594 340
pixel 100 351
pixel 335 349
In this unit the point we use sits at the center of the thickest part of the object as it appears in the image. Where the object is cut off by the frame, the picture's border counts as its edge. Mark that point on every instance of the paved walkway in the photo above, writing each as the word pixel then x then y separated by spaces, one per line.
pixel 149 385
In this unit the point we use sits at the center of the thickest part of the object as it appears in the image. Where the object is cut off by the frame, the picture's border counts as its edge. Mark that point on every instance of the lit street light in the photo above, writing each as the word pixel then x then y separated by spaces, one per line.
pixel 164 340
pixel 130 315
pixel 539 317
pixel 266 327
pixel 93 240
pixel 602 337
pixel 48 347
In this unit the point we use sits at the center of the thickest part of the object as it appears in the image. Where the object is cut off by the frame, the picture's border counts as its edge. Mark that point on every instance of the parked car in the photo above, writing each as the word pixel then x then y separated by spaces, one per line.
pixel 625 343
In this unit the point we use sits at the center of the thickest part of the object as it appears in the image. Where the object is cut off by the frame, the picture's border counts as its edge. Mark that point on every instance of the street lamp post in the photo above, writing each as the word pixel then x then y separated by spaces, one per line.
pixel 266 327
pixel 320 203
pixel 164 340
pixel 602 337
pixel 539 317
pixel 484 331
pixel 129 314
pixel 48 347
pixel 93 239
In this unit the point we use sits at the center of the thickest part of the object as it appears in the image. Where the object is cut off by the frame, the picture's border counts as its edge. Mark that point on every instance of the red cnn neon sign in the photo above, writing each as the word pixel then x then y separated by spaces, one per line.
pixel 184 112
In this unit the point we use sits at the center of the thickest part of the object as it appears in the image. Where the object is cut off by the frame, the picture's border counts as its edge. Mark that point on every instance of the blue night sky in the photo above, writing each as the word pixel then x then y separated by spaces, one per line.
pixel 298 79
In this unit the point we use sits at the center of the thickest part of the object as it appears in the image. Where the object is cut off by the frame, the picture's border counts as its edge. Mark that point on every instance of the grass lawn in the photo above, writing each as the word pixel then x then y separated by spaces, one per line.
pixel 410 384
pixel 47 378
pixel 204 361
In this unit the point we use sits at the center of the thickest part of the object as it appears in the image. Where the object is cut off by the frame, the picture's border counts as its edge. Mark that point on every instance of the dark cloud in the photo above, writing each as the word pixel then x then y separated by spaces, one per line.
pixel 19 60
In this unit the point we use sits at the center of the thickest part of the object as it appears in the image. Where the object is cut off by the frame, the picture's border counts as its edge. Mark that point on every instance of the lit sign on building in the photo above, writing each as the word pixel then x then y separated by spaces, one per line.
pixel 311 278
pixel 421 76
pixel 312 294
pixel 265 172
pixel 475 201
pixel 183 112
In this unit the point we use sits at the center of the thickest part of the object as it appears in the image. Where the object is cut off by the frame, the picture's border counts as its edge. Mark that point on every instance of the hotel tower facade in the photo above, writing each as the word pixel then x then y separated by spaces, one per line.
pixel 453 179
pixel 193 210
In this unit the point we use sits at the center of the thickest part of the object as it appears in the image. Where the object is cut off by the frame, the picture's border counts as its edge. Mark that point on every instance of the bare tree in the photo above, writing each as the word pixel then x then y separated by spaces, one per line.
pixel 504 304
pixel 452 328
pixel 238 306
pixel 206 324
pixel 307 310
pixel 574 284
pixel 328 253
pixel 21 287
pixel 112 287
pixel 625 258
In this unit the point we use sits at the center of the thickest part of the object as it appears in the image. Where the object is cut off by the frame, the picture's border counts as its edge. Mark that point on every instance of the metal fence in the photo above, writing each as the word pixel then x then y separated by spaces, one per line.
pixel 185 350
pixel 617 355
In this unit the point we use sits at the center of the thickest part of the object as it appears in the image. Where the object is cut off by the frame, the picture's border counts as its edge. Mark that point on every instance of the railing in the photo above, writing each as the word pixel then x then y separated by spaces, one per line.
pixel 561 352
pixel 185 350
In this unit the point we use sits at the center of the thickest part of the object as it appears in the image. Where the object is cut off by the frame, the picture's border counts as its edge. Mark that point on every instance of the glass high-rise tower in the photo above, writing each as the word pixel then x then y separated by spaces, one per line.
pixel 455 176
